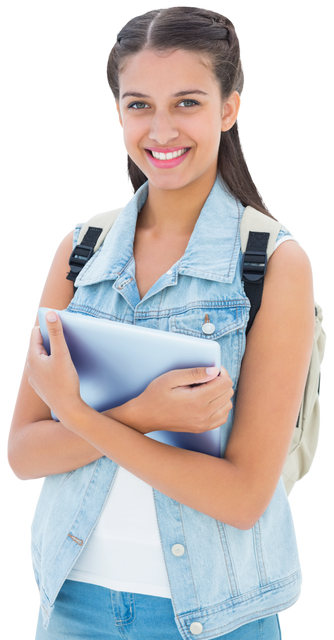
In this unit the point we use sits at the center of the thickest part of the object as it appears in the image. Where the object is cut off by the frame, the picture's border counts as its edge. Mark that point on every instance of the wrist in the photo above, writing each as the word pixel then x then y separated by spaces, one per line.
pixel 130 414
pixel 71 414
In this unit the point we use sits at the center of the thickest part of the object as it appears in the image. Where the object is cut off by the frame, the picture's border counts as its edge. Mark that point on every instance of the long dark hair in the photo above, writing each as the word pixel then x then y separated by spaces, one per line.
pixel 206 32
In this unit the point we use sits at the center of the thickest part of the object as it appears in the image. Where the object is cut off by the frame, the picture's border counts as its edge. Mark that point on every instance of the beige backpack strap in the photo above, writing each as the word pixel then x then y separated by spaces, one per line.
pixel 253 220
pixel 90 239
pixel 102 220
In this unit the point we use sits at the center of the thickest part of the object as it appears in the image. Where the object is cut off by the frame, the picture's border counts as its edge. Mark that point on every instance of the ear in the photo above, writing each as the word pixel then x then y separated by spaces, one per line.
pixel 119 122
pixel 117 113
pixel 230 111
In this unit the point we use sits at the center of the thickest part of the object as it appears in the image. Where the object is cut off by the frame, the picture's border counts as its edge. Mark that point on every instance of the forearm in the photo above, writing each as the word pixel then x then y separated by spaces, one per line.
pixel 132 415
pixel 211 485
pixel 46 448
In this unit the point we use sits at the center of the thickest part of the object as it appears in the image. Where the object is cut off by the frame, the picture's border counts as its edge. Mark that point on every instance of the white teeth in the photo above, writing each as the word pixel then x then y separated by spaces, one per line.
pixel 169 155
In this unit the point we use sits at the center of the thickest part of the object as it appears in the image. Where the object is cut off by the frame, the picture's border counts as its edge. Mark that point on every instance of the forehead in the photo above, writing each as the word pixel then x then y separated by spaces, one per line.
pixel 153 72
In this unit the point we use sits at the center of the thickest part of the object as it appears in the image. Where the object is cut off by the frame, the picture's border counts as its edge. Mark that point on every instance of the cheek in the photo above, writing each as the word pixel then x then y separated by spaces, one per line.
pixel 133 131
pixel 207 154
pixel 207 133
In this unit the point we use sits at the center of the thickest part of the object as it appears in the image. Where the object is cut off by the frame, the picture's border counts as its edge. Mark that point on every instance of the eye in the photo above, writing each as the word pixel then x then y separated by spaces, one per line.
pixel 193 101
pixel 130 106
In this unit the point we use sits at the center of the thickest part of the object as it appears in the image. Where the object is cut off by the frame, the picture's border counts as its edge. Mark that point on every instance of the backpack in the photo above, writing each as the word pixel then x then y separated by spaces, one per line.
pixel 258 235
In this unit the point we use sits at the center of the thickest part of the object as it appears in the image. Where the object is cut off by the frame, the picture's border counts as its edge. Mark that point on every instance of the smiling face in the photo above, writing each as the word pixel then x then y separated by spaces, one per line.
pixel 172 115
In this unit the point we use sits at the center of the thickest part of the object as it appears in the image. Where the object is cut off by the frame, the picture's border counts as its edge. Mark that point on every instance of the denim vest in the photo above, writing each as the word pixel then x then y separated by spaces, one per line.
pixel 226 577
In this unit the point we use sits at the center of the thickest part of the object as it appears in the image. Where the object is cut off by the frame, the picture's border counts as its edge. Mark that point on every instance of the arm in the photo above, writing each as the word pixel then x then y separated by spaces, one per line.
pixel 274 372
pixel 38 446
pixel 238 488
pixel 35 440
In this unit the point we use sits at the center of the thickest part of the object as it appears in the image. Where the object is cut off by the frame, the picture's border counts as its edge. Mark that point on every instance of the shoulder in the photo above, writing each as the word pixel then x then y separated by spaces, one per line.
pixel 288 248
pixel 60 263
pixel 58 291
pixel 290 266
pixel 66 246
pixel 287 308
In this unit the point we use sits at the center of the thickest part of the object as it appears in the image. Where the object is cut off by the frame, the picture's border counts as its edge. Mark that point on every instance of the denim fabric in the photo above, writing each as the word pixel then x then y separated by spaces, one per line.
pixel 226 577
pixel 86 611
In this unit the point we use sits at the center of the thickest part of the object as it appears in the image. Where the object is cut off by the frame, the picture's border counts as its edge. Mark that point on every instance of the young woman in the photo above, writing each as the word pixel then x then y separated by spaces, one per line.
pixel 133 538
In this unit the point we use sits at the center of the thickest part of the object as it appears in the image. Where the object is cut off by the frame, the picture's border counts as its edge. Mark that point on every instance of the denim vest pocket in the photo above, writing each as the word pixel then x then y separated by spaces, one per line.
pixel 223 321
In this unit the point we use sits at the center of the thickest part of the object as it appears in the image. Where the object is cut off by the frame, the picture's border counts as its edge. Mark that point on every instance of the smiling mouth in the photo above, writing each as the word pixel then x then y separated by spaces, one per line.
pixel 168 156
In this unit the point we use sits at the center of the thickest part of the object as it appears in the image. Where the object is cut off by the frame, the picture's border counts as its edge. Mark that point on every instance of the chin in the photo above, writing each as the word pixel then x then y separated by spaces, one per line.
pixel 170 182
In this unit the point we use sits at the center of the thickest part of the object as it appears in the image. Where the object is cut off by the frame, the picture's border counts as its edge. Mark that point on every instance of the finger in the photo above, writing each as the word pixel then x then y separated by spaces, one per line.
pixel 56 334
pixel 215 388
pixel 220 401
pixel 36 342
pixel 187 377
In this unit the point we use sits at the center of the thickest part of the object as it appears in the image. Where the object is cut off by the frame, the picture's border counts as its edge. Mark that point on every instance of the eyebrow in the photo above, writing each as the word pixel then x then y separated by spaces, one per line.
pixel 179 94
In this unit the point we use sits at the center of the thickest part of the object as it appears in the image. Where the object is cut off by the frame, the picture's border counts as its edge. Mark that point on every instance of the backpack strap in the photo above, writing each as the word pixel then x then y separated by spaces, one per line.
pixel 90 239
pixel 258 235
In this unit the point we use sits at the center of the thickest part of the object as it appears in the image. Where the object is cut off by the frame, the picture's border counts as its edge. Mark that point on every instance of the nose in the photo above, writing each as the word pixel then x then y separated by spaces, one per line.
pixel 162 129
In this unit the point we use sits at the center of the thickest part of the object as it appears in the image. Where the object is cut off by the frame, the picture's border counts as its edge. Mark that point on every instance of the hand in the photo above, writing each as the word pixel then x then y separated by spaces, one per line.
pixel 54 377
pixel 171 402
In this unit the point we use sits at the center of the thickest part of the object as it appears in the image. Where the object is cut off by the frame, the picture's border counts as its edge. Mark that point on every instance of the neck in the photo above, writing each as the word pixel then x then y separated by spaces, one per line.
pixel 175 211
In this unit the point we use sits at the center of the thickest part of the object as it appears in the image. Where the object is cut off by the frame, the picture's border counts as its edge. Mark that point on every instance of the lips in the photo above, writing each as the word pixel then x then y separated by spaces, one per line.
pixel 167 157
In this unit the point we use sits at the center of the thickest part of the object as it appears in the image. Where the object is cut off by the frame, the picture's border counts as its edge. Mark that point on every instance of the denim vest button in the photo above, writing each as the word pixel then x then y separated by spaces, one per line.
pixel 169 272
pixel 177 549
pixel 208 328
pixel 196 628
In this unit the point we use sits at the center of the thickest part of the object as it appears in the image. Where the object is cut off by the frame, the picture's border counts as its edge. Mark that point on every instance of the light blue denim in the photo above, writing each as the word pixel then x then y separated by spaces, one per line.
pixel 89 612
pixel 227 577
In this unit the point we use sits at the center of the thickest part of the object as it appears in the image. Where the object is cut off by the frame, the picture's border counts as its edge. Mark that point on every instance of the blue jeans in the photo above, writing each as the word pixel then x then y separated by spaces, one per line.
pixel 88 612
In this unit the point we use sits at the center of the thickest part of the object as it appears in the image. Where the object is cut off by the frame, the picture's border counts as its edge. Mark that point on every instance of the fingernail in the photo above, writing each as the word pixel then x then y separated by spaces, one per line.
pixel 212 371
pixel 51 316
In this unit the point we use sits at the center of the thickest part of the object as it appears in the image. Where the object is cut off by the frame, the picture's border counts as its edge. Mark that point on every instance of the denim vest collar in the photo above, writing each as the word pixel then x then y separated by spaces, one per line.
pixel 217 227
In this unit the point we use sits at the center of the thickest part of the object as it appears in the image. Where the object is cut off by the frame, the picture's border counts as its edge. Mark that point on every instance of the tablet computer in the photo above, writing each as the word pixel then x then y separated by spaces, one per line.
pixel 116 361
